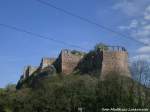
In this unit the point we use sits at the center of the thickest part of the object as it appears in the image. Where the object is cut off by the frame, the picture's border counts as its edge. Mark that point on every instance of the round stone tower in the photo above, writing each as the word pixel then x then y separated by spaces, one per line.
pixel 115 60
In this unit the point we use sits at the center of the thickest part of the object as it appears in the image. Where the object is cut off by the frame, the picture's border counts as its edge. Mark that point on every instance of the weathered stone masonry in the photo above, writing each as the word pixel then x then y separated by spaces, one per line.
pixel 67 61
pixel 113 59
pixel 29 70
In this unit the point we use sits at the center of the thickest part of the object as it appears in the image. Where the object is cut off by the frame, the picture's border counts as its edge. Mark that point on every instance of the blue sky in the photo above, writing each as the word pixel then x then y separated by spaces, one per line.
pixel 18 49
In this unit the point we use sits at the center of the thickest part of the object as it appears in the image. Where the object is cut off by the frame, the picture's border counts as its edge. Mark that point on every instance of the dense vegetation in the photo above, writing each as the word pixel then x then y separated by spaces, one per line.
pixel 67 93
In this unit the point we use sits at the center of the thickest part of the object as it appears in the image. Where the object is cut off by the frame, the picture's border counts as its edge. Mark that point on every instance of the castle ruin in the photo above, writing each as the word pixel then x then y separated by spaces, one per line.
pixel 68 61
pixel 112 59
pixel 28 71
pixel 115 59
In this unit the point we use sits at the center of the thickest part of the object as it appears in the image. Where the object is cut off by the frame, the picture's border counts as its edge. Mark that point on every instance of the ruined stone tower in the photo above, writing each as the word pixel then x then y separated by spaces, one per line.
pixel 115 59
pixel 68 61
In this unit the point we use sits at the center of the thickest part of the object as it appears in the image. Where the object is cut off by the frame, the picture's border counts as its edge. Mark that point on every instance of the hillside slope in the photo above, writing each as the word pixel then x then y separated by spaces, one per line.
pixel 59 93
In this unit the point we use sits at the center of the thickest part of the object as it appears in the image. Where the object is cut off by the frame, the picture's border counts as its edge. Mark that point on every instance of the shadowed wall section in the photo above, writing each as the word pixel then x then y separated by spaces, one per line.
pixel 28 71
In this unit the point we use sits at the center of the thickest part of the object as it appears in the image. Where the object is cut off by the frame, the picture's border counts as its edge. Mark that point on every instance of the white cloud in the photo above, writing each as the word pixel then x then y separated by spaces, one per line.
pixel 128 5
pixel 134 24
pixel 141 57
pixel 139 28
pixel 145 50
pixel 145 40
pixel 123 27
pixel 142 31
pixel 147 13
pixel 131 7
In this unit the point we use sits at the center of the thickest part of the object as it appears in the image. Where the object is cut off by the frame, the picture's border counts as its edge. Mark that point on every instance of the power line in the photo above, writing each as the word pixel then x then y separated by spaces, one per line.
pixel 89 21
pixel 41 36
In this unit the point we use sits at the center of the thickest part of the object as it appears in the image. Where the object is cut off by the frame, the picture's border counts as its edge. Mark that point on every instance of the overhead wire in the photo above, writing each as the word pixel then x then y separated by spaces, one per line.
pixel 59 41
pixel 91 22
pixel 41 36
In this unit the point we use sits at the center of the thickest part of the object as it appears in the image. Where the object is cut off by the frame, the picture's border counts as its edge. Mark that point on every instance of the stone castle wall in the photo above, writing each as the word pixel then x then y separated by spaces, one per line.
pixel 115 61
pixel 69 61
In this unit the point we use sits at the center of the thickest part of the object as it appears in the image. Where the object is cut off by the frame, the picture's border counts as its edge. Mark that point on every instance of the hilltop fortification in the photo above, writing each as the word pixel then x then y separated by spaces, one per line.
pixel 105 60
pixel 28 71
pixel 115 59
pixel 68 61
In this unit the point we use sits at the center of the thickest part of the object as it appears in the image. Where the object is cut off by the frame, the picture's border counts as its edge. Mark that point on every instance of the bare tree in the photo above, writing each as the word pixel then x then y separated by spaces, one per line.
pixel 141 71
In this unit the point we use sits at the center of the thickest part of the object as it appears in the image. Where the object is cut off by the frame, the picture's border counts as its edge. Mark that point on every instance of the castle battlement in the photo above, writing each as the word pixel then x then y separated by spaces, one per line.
pixel 113 49
pixel 108 59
